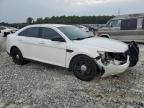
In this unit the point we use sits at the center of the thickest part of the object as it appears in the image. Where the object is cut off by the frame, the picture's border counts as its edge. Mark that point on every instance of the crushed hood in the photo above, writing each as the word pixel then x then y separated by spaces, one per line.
pixel 102 44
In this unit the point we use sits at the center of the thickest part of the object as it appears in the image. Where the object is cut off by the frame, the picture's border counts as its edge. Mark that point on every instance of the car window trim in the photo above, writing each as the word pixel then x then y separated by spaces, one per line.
pixel 49 28
pixel 38 36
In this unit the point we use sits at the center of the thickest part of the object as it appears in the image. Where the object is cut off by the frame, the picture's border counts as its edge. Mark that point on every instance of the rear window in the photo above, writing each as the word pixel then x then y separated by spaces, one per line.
pixel 129 24
pixel 30 32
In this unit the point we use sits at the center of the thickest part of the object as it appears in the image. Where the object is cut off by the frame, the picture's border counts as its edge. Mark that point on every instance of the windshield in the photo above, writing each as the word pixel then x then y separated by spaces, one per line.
pixel 74 33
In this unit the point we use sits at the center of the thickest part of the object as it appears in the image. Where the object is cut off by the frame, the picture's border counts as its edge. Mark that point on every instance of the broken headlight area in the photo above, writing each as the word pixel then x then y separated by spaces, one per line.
pixel 112 58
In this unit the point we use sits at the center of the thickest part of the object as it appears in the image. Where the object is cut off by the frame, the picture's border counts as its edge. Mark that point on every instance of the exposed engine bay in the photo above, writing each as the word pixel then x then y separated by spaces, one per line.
pixel 120 58
pixel 114 58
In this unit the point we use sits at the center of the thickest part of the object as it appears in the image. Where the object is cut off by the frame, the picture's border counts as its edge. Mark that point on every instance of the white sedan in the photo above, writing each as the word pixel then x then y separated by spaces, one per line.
pixel 69 47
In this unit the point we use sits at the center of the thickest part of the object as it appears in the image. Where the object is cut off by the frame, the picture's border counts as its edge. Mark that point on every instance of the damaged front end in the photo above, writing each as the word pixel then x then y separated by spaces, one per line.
pixel 111 57
pixel 112 63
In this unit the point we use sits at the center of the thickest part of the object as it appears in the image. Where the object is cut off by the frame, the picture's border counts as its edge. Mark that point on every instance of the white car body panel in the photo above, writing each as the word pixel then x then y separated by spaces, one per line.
pixel 52 52
pixel 103 44
pixel 55 52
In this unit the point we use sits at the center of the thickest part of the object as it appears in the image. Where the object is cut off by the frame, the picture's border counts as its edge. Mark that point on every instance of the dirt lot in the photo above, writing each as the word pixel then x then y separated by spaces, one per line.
pixel 37 85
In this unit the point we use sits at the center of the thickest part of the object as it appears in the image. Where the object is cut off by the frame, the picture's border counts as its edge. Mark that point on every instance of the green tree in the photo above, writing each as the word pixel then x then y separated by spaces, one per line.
pixel 39 21
pixel 29 20
pixel 74 20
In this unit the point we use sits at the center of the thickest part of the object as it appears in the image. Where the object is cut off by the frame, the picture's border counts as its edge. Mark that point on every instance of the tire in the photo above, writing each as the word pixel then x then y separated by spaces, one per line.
pixel 84 68
pixel 17 56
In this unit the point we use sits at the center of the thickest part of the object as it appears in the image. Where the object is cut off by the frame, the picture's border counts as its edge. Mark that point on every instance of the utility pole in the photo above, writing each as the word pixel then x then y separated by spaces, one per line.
pixel 119 12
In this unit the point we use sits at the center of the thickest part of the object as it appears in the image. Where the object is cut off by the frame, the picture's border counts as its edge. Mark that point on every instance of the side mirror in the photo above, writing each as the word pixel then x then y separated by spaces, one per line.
pixel 58 39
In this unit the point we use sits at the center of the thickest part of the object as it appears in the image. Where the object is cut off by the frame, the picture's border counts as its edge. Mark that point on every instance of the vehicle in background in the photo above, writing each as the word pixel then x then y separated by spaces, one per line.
pixel 4 31
pixel 90 28
pixel 83 28
pixel 68 46
pixel 125 28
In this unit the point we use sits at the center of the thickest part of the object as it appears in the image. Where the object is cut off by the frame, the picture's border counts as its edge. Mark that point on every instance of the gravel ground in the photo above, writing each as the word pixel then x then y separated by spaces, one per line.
pixel 37 85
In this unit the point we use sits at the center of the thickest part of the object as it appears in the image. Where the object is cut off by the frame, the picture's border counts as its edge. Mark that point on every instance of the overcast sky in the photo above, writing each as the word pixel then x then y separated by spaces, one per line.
pixel 18 10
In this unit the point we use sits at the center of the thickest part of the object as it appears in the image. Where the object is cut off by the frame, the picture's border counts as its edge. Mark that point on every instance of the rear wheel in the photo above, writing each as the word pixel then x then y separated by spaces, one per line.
pixel 84 68
pixel 17 56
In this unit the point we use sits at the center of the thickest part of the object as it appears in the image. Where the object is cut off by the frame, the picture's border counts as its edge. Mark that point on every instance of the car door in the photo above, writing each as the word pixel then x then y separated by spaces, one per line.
pixel 29 42
pixel 52 52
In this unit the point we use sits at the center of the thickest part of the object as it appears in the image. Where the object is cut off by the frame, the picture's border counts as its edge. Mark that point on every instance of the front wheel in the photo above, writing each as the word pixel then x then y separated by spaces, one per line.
pixel 84 68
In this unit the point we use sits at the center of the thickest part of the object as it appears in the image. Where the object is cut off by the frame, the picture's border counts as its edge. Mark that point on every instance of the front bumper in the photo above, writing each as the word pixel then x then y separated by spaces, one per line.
pixel 112 69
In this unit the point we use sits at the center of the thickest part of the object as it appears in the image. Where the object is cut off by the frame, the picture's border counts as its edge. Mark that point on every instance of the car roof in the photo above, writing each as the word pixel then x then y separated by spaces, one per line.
pixel 127 16
pixel 49 25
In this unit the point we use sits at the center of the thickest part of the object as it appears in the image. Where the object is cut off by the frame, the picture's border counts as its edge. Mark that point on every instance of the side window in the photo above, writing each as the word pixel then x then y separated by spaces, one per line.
pixel 30 32
pixel 48 33
pixel 143 24
pixel 129 24
pixel 113 23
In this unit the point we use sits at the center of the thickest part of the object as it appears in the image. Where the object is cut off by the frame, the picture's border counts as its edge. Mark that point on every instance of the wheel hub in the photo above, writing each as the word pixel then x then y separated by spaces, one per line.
pixel 17 56
pixel 83 68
